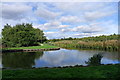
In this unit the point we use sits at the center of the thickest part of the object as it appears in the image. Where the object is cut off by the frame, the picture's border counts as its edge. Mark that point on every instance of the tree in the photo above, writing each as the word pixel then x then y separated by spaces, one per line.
pixel 21 35
pixel 95 60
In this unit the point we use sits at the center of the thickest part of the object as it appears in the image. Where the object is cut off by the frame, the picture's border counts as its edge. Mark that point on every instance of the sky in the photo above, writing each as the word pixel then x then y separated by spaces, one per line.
pixel 64 19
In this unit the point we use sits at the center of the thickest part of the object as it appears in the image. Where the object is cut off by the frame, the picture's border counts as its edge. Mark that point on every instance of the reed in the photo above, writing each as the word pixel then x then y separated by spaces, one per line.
pixel 109 45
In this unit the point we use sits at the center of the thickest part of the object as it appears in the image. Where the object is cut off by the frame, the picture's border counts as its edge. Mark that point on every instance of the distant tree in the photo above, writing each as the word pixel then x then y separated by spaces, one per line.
pixel 21 35
pixel 70 38
pixel 0 40
pixel 87 39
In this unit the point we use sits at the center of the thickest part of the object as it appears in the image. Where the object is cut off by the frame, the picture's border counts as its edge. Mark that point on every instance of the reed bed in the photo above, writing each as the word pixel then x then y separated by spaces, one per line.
pixel 109 45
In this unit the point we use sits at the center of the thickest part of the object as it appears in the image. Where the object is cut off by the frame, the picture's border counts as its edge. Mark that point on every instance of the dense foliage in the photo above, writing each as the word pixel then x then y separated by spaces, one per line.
pixel 0 43
pixel 96 38
pixel 21 35
pixel 101 38
pixel 95 60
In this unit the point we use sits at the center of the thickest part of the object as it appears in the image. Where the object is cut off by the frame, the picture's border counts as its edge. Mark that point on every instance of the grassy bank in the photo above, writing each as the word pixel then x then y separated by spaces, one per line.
pixel 109 45
pixel 103 71
pixel 44 46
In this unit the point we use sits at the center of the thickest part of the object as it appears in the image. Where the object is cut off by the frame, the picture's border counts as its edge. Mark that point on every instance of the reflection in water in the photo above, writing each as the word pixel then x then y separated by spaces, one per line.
pixel 62 57
pixel 20 59
pixel 66 57
pixel 0 63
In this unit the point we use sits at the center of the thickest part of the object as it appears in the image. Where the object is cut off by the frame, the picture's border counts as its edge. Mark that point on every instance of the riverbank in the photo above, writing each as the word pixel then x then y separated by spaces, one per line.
pixel 44 47
pixel 102 71
pixel 109 45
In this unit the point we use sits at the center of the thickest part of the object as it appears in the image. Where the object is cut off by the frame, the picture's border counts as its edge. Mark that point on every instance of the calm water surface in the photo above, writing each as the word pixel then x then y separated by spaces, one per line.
pixel 62 57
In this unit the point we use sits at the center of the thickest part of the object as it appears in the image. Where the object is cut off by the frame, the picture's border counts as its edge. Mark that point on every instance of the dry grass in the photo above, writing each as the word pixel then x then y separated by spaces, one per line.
pixel 104 45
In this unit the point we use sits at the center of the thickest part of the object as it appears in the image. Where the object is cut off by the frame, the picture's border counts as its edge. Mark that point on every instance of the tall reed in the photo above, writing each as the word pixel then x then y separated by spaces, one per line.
pixel 109 45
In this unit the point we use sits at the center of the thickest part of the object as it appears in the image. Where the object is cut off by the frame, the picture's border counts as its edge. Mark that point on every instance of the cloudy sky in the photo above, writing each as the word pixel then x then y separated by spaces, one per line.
pixel 64 19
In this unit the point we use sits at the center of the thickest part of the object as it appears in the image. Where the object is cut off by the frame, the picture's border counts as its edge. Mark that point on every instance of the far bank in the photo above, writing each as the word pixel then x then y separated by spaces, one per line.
pixel 43 47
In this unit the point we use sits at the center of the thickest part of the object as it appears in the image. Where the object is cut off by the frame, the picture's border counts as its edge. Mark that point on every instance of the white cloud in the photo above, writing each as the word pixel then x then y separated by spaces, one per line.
pixel 71 19
pixel 51 25
pixel 63 26
pixel 49 33
pixel 59 0
pixel 15 11
pixel 52 35
pixel 85 10
pixel 83 34
pixel 64 30
pixel 97 14
pixel 110 26
pixel 79 7
pixel 88 34
pixel 87 29
pixel 46 14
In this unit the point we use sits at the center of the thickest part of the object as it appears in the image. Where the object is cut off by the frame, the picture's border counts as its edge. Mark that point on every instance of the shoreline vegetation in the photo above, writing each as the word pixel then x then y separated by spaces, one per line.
pixel 43 47
pixel 101 71
pixel 106 43
pixel 110 45
pixel 25 41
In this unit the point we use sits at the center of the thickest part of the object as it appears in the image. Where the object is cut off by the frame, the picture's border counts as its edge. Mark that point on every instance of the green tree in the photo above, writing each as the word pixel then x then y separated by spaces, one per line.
pixel 95 60
pixel 21 35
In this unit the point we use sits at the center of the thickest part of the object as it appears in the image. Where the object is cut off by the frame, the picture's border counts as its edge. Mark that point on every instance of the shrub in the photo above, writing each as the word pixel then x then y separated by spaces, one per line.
pixel 95 60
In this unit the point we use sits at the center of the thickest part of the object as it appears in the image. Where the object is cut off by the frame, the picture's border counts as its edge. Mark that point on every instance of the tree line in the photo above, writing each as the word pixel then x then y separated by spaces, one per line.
pixel 109 43
pixel 96 38
pixel 21 35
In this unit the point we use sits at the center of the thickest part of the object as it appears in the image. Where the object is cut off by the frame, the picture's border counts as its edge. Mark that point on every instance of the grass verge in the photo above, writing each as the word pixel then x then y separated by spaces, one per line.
pixel 44 46
pixel 103 71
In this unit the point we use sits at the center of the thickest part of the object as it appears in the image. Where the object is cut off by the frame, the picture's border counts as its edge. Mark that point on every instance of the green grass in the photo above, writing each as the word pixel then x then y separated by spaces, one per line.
pixel 103 71
pixel 44 46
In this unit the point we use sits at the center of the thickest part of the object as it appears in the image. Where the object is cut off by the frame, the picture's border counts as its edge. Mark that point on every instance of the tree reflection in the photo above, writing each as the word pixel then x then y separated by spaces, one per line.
pixel 118 55
pixel 20 59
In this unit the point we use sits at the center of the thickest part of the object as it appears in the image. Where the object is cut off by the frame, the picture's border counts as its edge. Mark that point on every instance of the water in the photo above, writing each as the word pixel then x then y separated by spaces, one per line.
pixel 62 57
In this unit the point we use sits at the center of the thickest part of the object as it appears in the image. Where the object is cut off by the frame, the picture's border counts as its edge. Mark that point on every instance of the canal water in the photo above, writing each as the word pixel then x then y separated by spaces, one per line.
pixel 56 58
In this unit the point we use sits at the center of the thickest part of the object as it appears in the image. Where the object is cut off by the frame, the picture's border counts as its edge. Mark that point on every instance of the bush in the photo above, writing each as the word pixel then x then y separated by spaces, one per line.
pixel 95 60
